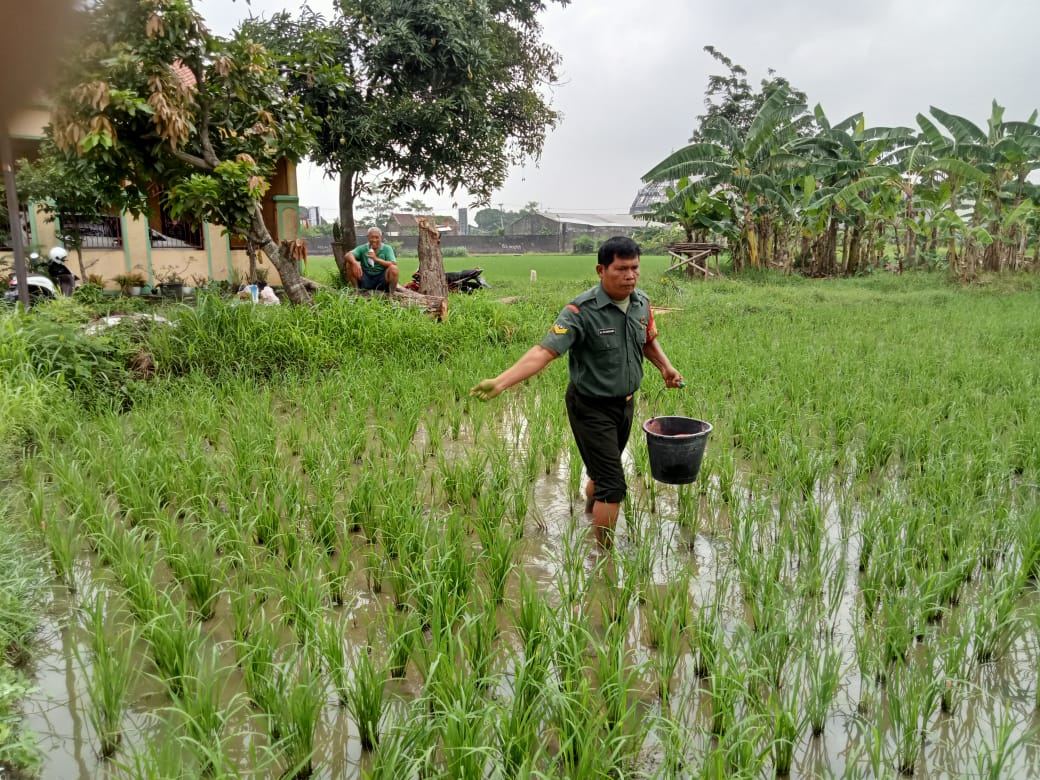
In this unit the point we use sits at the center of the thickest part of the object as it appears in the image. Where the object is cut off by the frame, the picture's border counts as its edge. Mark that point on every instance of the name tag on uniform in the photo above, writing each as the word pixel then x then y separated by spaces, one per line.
pixel 607 332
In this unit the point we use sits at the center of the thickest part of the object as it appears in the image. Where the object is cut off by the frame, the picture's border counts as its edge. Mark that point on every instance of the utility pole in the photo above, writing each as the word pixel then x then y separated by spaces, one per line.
pixel 12 212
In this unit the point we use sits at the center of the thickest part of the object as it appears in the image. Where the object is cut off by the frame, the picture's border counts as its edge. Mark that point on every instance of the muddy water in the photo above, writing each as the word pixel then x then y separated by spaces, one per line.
pixel 996 691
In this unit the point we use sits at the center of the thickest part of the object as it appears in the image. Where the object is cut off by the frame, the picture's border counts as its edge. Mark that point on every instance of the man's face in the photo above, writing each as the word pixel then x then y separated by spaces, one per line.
pixel 620 277
pixel 375 240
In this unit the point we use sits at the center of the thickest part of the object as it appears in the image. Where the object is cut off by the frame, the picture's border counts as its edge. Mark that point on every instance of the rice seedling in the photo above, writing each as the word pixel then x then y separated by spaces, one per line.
pixel 822 672
pixel 330 642
pixel 463 723
pixel 257 651
pixel 204 718
pixel 375 567
pixel 616 678
pixel 110 673
pixel 365 697
pixel 298 711
pixel 706 635
pixel 402 632
pixel 174 639
pixel 993 758
pixel 954 661
pixel 912 696
pixel 242 603
pixel 517 723
pixel 787 726
pixel 159 758
pixel 727 683
pixel 479 636
pixel 405 750
pixel 575 468
pixel 744 746
pixel 135 572
pixel 994 618
pixel 63 541
pixel 667 620
pixel 572 580
pixel 498 559
pixel 303 596
pixel 198 566
pixel 361 508
pixel 338 570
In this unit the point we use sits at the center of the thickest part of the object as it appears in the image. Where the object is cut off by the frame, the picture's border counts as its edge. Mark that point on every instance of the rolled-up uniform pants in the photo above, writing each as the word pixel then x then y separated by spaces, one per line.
pixel 601 427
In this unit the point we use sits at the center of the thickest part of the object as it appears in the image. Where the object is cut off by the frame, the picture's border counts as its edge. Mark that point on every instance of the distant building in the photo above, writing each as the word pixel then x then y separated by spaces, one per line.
pixel 568 226
pixel 650 195
pixel 310 216
pixel 401 224
pixel 546 223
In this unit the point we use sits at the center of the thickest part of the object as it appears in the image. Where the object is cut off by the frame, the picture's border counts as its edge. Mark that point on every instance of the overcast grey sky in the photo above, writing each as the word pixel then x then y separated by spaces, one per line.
pixel 634 73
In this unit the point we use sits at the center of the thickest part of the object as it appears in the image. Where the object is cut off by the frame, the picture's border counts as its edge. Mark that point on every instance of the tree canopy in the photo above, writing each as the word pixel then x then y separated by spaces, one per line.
pixel 798 186
pixel 155 102
pixel 426 94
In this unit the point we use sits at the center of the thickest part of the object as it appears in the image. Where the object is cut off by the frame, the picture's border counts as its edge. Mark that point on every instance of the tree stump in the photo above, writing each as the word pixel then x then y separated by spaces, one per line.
pixel 431 263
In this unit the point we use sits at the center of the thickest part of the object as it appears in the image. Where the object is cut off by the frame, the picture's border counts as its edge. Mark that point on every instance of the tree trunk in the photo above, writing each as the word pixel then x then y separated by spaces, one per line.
pixel 339 254
pixel 297 288
pixel 347 194
pixel 431 263
pixel 251 254
pixel 852 258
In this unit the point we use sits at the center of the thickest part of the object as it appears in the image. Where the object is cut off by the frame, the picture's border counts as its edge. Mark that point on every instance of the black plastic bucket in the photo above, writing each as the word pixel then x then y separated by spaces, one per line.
pixel 676 447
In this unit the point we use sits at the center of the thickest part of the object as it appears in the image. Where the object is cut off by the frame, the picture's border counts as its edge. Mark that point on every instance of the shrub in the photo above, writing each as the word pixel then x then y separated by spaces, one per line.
pixel 584 245
pixel 454 251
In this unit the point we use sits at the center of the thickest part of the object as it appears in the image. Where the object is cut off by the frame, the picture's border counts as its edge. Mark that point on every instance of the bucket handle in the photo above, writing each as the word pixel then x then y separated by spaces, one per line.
pixel 655 399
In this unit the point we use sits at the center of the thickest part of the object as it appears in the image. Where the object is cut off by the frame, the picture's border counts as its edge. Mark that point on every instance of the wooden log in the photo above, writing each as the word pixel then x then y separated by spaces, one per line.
pixel 434 305
pixel 432 280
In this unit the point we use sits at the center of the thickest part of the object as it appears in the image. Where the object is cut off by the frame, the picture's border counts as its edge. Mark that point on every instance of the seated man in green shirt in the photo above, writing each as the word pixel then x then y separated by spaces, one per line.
pixel 373 266
pixel 607 332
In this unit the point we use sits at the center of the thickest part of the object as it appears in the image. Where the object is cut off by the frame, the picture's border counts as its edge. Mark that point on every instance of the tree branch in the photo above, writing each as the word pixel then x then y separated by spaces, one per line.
pixel 192 160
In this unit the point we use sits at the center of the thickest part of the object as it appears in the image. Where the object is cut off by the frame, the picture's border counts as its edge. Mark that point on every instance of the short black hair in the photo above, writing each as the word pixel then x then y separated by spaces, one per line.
pixel 615 247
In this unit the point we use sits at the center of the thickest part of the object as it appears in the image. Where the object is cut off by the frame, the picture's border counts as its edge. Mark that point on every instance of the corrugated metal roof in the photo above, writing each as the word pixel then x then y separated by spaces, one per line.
pixel 594 220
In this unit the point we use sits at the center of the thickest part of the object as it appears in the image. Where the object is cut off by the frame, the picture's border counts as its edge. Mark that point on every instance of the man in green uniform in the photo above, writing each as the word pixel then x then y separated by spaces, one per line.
pixel 607 331
pixel 373 266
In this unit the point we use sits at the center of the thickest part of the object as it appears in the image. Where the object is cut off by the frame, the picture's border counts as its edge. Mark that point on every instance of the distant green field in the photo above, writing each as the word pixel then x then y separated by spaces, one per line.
pixel 510 269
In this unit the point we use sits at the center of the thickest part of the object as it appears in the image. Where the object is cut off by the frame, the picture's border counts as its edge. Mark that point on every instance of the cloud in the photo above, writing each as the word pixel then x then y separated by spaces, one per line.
pixel 633 76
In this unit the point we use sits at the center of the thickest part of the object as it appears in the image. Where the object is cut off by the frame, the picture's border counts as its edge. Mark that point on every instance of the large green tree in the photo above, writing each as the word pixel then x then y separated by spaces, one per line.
pixel 152 98
pixel 428 94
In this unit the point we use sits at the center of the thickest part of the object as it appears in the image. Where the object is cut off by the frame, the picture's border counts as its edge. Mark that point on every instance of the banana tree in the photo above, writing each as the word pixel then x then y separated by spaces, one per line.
pixel 698 214
pixel 752 164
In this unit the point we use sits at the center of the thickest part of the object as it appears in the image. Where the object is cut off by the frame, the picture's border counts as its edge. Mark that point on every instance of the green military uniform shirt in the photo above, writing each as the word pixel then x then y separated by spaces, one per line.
pixel 605 344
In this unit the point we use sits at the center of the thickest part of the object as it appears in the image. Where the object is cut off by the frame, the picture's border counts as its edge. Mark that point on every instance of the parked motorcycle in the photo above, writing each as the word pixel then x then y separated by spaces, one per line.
pixel 58 279
pixel 467 281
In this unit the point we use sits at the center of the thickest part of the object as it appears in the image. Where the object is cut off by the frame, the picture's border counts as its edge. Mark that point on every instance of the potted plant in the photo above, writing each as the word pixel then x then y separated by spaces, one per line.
pixel 130 283
pixel 171 281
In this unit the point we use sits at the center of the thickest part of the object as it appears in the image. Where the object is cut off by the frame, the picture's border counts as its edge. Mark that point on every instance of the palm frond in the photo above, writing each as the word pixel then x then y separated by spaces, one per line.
pixel 960 169
pixel 963 130
pixel 682 162
pixel 849 123
pixel 777 110
pixel 932 134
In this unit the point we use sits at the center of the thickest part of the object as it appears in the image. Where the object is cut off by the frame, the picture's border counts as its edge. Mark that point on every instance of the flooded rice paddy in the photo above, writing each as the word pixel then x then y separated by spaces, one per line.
pixel 264 570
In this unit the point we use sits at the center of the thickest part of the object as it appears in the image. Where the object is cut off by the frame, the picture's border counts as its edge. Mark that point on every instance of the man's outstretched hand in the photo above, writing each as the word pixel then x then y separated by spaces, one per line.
pixel 485 390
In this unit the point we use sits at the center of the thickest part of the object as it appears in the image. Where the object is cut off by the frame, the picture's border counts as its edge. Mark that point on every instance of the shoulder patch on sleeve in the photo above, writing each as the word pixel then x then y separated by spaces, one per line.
pixel 558 329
